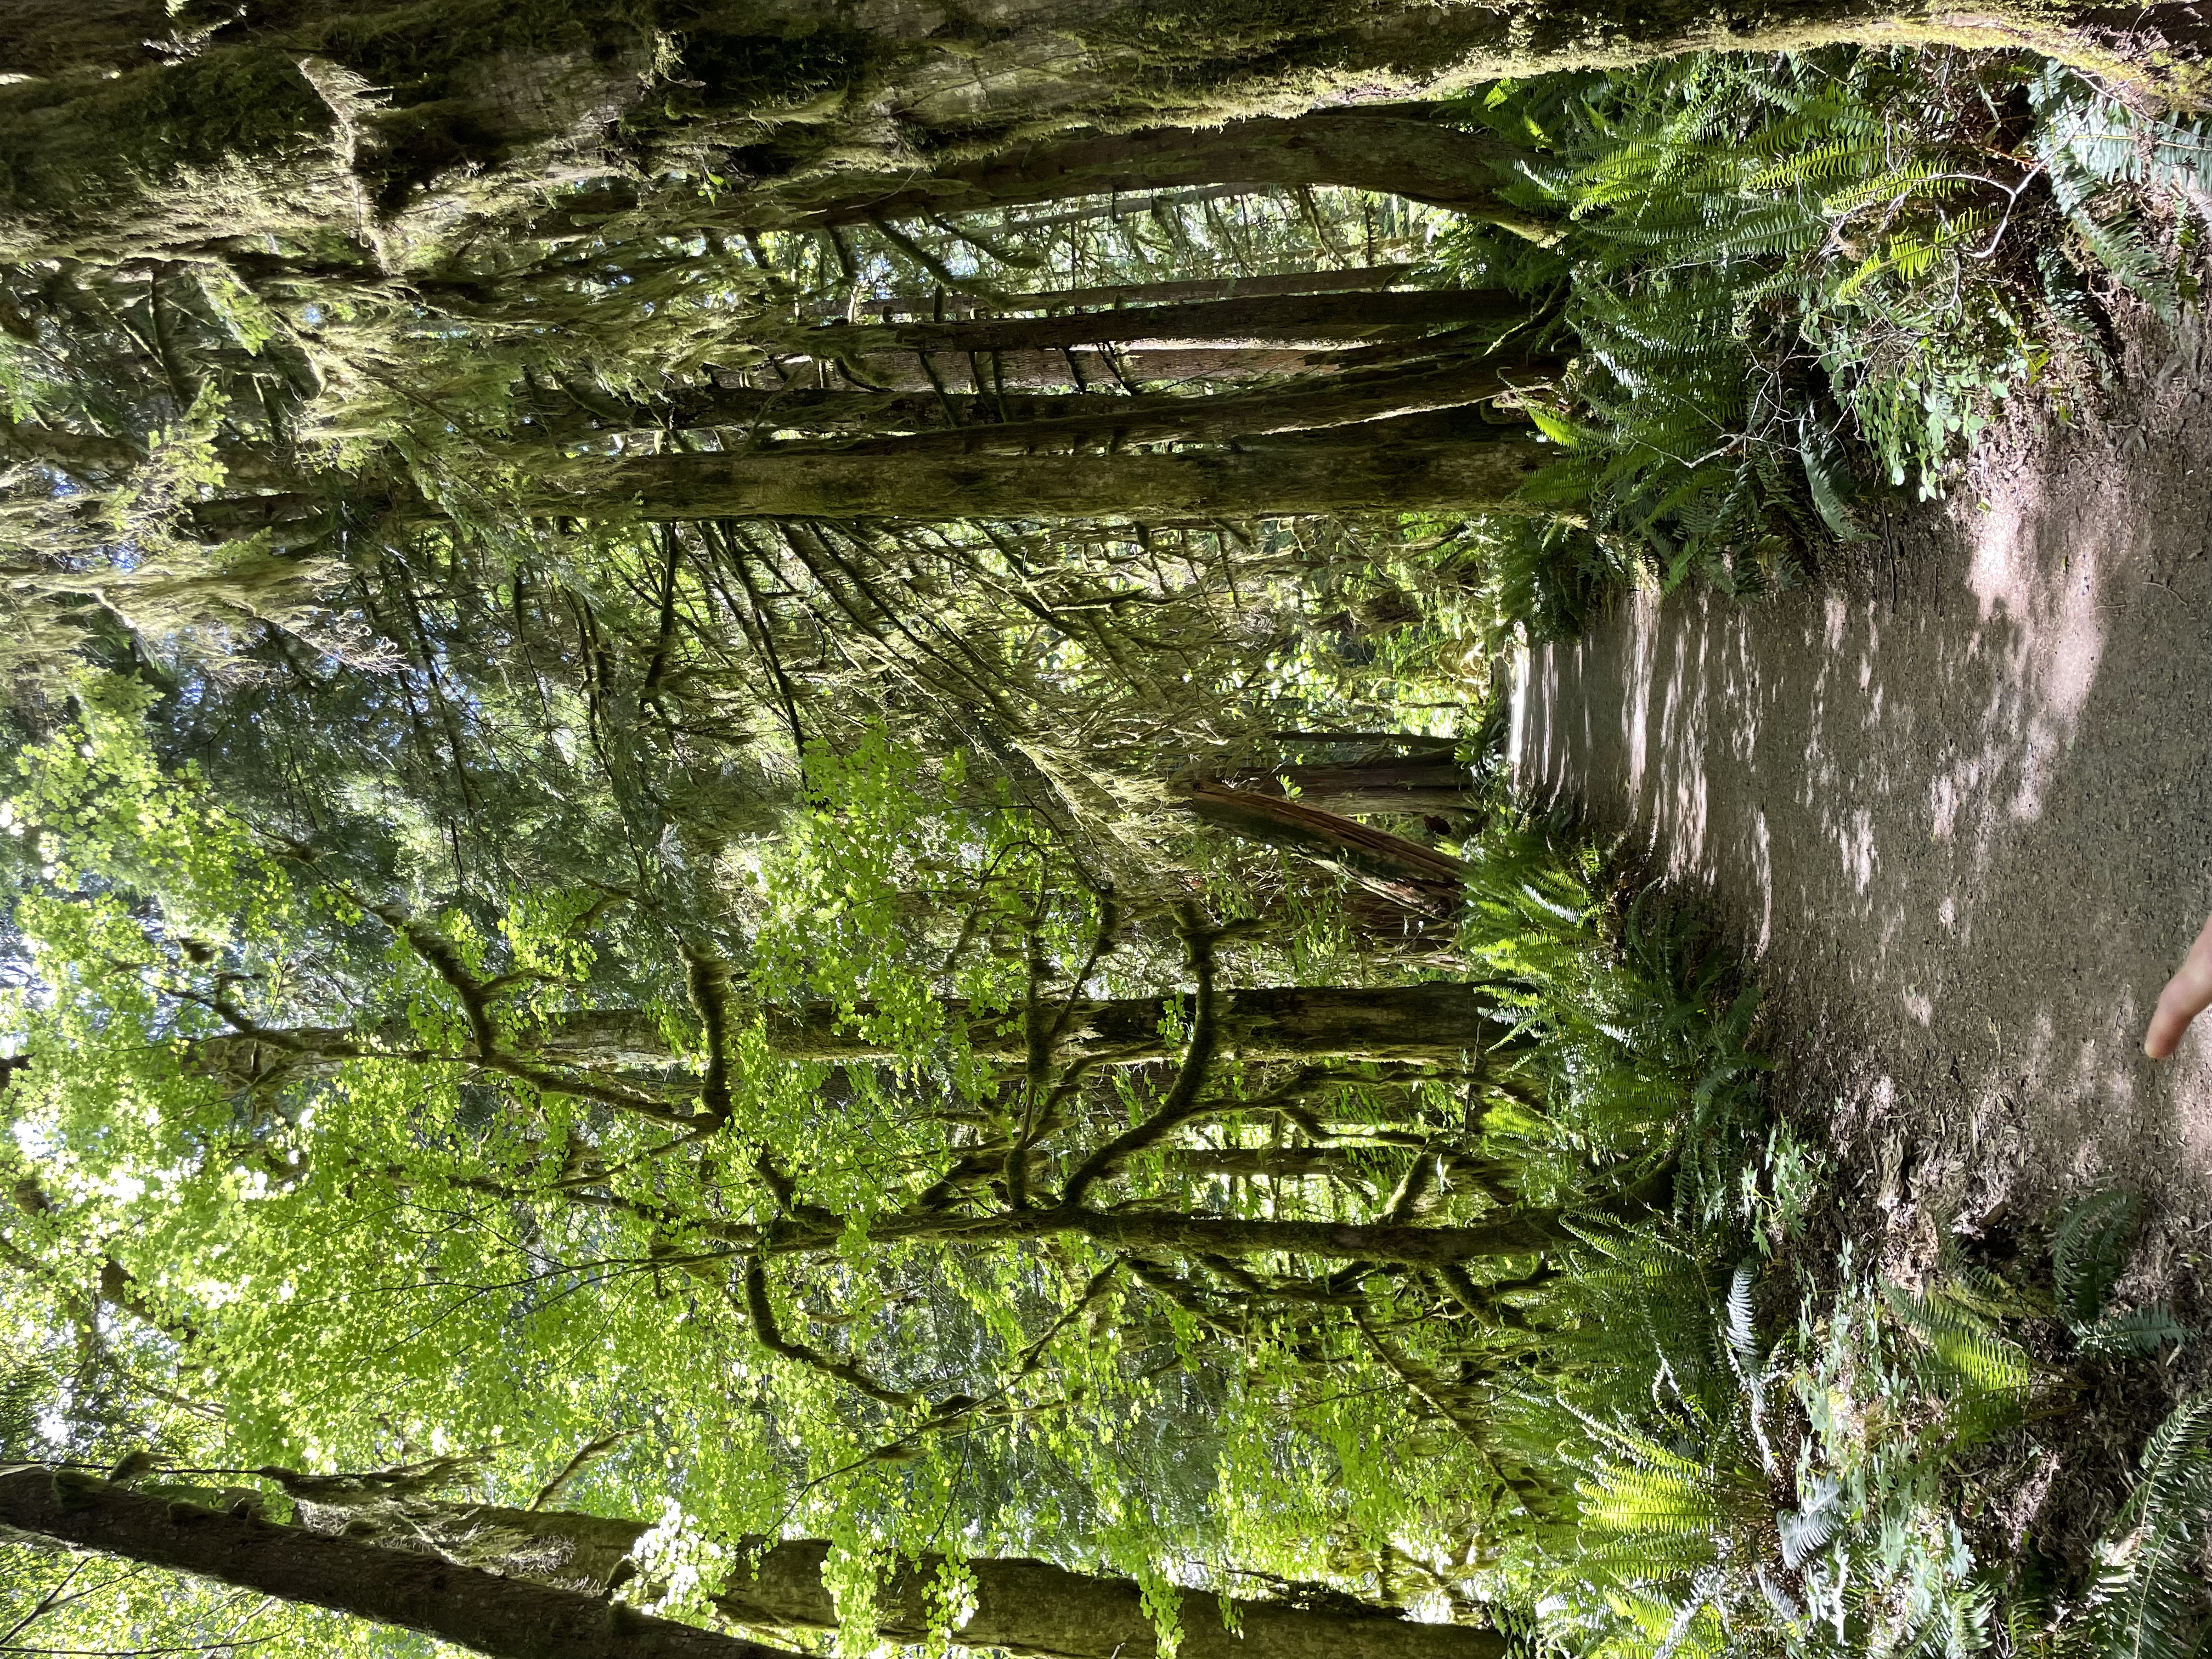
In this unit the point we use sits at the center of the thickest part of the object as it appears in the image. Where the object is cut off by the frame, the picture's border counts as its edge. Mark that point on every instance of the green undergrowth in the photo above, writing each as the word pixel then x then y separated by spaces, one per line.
pixel 1770 1447
pixel 1790 285
pixel 1646 1028
pixel 1803 1460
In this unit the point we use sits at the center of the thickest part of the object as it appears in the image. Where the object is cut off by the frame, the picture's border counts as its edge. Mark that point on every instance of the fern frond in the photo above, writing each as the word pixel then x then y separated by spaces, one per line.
pixel 1967 1349
pixel 2145 1603
pixel 2134 1334
pixel 2088 1250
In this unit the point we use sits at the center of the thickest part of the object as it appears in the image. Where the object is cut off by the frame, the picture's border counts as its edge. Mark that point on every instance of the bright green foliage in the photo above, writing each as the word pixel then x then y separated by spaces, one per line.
pixel 389 1245
pixel 358 1239
pixel 1773 260
pixel 1786 1498
pixel 1644 1034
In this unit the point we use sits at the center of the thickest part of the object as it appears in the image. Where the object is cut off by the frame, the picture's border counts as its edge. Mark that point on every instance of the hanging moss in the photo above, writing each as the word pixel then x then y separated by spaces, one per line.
pixel 731 70
pixel 64 141
pixel 432 52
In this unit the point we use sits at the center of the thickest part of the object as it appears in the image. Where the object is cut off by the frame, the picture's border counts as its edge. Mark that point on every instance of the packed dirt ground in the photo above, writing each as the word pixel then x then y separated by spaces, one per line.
pixel 1952 798
pixel 1951 801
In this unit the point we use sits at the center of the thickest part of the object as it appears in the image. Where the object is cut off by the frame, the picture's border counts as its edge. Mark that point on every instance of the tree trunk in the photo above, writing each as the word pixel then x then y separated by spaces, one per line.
pixel 1384 150
pixel 1528 1232
pixel 353 111
pixel 1400 786
pixel 1388 477
pixel 1131 207
pixel 964 423
pixel 514 1612
pixel 1003 388
pixel 1414 743
pixel 1437 1020
pixel 591 1554
pixel 1323 402
pixel 1035 1607
pixel 1417 877
pixel 1082 368
pixel 940 305
pixel 810 409
pixel 1318 317
pixel 506 1618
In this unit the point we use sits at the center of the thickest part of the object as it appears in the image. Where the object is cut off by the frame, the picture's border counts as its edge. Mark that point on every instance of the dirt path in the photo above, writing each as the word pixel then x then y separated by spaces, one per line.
pixel 1958 806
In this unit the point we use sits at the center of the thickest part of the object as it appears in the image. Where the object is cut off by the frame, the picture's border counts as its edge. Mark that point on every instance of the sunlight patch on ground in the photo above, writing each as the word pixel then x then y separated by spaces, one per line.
pixel 1959 809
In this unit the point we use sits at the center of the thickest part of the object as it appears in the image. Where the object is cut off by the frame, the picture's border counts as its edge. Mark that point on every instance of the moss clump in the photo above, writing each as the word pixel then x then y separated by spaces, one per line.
pixel 449 49
pixel 738 69
pixel 62 141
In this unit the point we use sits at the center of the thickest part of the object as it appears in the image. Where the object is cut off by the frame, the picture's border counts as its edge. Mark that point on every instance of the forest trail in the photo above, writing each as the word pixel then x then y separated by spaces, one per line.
pixel 1956 805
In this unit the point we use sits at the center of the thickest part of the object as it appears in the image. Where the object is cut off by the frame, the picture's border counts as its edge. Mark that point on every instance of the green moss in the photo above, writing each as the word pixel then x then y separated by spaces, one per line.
pixel 457 84
pixel 432 63
pixel 63 141
pixel 738 68
pixel 447 49
pixel 1215 28
pixel 415 144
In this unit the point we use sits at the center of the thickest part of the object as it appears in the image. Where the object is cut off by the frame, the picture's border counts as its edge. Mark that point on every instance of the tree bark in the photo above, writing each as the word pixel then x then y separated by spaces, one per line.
pixel 1439 1020
pixel 1526 1233
pixel 1420 878
pixel 1414 743
pixel 346 110
pixel 1403 786
pixel 963 422
pixel 1363 278
pixel 506 1617
pixel 1388 151
pixel 1518 1233
pixel 1130 207
pixel 1388 477
pixel 1319 318
pixel 1026 1606
pixel 1035 1607
pixel 590 1553
pixel 1082 367
pixel 1325 403
pixel 1436 1020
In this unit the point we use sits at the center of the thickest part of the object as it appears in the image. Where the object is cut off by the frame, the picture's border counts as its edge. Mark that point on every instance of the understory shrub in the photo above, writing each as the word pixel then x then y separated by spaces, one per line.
pixel 1786 280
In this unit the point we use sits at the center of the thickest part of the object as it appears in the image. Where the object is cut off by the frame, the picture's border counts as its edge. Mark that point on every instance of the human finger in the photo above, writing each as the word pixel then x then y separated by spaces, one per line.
pixel 2187 994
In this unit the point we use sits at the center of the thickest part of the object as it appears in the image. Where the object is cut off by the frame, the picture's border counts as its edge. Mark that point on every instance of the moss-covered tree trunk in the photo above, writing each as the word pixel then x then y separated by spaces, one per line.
pixel 1321 319
pixel 1420 785
pixel 1440 1020
pixel 1024 1606
pixel 941 304
pixel 1084 367
pixel 159 134
pixel 1417 879
pixel 1035 1607
pixel 1024 425
pixel 1386 477
pixel 1380 474
pixel 1388 151
pixel 502 1617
